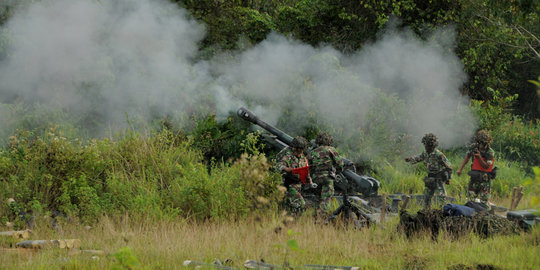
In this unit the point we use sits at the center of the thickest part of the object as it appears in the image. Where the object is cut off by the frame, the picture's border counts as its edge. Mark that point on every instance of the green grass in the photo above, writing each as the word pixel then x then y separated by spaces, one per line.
pixel 165 245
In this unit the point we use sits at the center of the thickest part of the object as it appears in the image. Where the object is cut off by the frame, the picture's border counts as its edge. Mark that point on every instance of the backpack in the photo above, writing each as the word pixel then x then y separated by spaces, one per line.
pixel 478 207
pixel 457 210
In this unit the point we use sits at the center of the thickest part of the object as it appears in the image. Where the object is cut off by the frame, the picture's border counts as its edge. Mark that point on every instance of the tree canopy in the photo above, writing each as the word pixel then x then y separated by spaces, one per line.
pixel 497 41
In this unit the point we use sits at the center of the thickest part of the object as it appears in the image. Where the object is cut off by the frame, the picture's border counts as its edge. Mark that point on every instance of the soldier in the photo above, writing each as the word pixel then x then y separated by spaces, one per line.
pixel 438 168
pixel 290 158
pixel 325 162
pixel 482 171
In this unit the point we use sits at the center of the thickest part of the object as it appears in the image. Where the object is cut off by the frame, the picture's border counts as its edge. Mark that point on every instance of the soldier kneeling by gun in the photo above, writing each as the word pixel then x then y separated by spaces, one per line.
pixel 438 168
pixel 289 159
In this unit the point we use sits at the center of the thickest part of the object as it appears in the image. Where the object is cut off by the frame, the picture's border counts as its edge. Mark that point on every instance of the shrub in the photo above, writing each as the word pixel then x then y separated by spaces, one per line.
pixel 161 176
pixel 513 137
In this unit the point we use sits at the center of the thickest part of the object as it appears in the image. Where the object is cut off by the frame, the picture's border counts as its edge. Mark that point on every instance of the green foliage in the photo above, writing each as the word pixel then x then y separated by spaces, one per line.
pixel 256 25
pixel 499 47
pixel 229 21
pixel 401 177
pixel 513 137
pixel 292 244
pixel 206 176
pixel 253 175
pixel 125 259
pixel 532 185
pixel 219 140
pixel 496 40
pixel 161 176
pixel 519 140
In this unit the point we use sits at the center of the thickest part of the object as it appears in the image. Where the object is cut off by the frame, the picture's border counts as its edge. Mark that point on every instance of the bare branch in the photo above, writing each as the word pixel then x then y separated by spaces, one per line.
pixel 527 42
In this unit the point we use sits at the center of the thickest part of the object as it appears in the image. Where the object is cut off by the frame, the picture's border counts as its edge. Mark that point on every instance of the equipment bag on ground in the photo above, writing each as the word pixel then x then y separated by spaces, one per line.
pixel 457 210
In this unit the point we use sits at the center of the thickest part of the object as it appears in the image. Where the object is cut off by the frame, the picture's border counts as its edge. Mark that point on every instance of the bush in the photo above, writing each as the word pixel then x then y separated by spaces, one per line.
pixel 519 140
pixel 513 137
pixel 161 176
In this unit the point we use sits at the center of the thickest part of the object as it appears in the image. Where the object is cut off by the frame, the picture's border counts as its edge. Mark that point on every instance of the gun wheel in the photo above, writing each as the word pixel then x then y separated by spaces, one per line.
pixel 349 218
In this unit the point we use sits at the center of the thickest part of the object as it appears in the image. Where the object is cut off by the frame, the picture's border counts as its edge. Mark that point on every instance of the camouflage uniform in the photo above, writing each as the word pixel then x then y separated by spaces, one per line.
pixel 294 202
pixel 437 166
pixel 325 160
pixel 481 176
pixel 480 182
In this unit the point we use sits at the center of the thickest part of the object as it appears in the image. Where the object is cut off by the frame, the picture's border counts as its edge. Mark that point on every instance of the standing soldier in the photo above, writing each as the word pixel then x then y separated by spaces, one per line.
pixel 482 171
pixel 291 158
pixel 438 168
pixel 325 162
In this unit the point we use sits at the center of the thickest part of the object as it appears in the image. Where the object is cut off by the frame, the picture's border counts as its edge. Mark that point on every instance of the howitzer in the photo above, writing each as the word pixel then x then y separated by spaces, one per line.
pixel 367 186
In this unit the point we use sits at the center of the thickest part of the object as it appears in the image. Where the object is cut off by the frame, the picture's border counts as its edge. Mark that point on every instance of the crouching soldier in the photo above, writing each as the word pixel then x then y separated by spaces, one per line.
pixel 439 170
pixel 288 159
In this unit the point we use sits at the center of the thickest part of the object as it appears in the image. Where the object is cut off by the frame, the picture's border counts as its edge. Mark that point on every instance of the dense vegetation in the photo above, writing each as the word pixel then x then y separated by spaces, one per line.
pixel 498 41
pixel 213 169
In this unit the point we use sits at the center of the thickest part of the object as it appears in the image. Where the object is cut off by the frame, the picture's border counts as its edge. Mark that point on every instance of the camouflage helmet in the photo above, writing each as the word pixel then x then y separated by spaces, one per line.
pixel 483 137
pixel 430 140
pixel 299 142
pixel 324 138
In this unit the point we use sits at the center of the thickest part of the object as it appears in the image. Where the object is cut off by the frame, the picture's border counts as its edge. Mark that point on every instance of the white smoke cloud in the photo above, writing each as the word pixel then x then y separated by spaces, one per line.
pixel 126 54
pixel 137 57
pixel 342 89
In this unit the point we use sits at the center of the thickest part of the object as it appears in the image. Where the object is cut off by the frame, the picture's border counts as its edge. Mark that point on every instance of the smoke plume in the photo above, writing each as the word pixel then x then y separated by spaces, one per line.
pixel 103 61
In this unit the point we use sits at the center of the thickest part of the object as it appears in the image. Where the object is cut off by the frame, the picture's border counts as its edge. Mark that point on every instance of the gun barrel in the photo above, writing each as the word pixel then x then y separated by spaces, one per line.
pixel 251 117
pixel 365 185
pixel 368 186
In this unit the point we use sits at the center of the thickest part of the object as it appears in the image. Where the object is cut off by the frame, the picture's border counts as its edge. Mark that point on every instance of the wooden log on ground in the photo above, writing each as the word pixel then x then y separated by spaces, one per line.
pixel 518 197
pixel 17 234
pixel 60 243
pixel 512 201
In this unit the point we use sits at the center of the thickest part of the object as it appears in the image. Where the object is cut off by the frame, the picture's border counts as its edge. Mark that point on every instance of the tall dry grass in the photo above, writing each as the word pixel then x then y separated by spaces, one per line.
pixel 145 244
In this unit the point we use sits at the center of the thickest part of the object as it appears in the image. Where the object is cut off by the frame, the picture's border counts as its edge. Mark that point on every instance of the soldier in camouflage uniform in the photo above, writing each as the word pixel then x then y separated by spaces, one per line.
pixel 482 170
pixel 290 158
pixel 438 168
pixel 325 162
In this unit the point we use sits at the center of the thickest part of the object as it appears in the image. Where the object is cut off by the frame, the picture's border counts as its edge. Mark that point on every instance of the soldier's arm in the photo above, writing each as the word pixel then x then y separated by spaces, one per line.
pixel 490 157
pixel 283 165
pixel 309 180
pixel 415 159
pixel 465 161
pixel 445 162
pixel 338 160
pixel 484 162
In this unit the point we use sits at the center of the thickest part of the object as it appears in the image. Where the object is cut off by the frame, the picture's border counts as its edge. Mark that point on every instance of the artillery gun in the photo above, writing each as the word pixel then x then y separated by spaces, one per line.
pixel 367 186
pixel 358 193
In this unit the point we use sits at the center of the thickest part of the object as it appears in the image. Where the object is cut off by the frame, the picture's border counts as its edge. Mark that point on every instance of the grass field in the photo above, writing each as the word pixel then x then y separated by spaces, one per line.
pixel 145 244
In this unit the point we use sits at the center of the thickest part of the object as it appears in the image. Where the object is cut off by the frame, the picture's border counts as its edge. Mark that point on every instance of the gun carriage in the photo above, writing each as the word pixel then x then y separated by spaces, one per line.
pixel 358 194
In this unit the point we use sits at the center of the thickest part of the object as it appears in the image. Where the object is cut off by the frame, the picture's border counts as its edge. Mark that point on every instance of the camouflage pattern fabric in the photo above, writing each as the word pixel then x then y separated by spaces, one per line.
pixel 288 159
pixel 435 161
pixel 480 189
pixel 487 154
pixel 325 161
pixel 436 164
pixel 480 182
pixel 434 186
pixel 434 222
pixel 294 202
